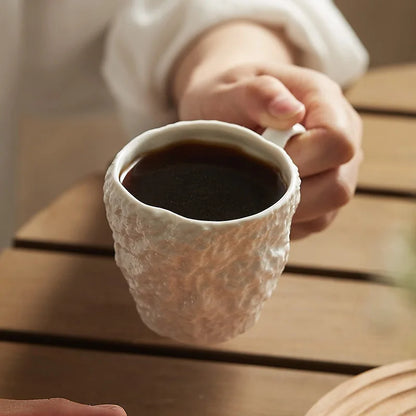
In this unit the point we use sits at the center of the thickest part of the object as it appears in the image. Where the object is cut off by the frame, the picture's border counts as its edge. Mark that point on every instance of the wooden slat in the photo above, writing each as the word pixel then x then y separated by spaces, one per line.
pixel 76 218
pixel 158 386
pixel 391 88
pixel 363 238
pixel 307 318
pixel 389 145
pixel 359 241
pixel 55 150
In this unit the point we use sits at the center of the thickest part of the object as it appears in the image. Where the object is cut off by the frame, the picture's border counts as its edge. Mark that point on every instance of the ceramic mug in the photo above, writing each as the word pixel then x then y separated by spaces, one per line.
pixel 200 281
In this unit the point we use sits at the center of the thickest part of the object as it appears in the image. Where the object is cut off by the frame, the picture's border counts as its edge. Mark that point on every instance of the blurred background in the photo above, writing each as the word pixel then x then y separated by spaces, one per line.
pixel 387 28
pixel 55 149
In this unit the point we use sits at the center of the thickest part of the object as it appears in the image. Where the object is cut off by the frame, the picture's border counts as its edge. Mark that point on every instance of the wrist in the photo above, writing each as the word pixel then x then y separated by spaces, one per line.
pixel 230 45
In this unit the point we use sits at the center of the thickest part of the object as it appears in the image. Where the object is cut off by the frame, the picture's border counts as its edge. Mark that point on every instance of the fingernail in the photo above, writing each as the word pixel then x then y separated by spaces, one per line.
pixel 286 106
pixel 112 407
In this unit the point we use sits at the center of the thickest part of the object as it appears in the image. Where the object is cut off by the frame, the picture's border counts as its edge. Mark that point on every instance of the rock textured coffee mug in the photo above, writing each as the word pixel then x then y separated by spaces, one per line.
pixel 201 281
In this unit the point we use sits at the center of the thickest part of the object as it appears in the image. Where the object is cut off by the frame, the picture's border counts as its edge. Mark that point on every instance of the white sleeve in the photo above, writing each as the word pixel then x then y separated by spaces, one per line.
pixel 148 35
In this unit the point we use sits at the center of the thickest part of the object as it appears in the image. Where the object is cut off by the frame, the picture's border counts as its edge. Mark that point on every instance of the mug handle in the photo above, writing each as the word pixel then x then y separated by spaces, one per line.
pixel 281 137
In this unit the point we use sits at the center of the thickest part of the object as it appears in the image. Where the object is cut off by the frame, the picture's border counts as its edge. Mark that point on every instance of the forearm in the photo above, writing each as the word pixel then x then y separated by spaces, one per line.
pixel 225 47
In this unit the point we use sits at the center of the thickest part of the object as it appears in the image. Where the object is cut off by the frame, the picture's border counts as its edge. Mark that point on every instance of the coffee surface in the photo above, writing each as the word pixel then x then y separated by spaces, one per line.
pixel 204 181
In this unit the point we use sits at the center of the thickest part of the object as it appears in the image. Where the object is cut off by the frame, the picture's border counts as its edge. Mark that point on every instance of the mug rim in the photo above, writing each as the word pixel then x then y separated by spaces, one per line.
pixel 131 151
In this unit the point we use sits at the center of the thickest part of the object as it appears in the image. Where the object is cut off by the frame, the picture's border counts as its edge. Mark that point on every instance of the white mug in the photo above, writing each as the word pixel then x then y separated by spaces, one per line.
pixel 199 281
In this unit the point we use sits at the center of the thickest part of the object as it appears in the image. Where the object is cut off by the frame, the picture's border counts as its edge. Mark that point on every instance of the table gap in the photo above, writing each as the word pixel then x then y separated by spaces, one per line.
pixel 386 192
pixel 182 352
pixel 290 267
pixel 384 112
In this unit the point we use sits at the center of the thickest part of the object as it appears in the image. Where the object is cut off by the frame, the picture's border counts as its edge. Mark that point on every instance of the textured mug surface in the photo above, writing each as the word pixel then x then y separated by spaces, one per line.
pixel 199 281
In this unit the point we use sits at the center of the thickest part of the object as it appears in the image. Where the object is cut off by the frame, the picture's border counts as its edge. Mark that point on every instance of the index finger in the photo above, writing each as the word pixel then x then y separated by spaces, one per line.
pixel 333 133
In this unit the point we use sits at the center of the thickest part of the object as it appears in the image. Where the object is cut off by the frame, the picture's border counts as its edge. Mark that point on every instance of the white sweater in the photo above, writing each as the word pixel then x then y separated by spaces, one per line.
pixel 65 45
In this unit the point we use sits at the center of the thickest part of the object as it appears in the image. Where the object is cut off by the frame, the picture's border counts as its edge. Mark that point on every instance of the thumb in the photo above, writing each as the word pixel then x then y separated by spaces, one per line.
pixel 270 104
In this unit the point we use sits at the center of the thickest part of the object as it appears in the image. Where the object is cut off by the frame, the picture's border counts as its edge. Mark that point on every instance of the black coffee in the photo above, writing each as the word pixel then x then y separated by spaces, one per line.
pixel 205 181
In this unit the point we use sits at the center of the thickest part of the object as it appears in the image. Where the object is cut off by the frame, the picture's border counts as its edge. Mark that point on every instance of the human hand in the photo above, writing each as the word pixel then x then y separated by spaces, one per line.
pixel 56 407
pixel 258 96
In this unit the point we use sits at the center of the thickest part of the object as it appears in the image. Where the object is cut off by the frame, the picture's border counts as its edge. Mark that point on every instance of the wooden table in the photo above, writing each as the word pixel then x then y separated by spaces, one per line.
pixel 68 326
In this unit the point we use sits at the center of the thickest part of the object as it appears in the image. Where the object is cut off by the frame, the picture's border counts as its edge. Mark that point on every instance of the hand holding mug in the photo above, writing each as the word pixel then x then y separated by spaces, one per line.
pixel 263 95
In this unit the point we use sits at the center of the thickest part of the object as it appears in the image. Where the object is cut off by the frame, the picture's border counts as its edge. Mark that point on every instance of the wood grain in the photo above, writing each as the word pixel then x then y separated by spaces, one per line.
pixel 307 318
pixel 390 88
pixel 77 220
pixel 146 385
pixel 389 145
pixel 386 391
pixel 365 237
pixel 55 150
